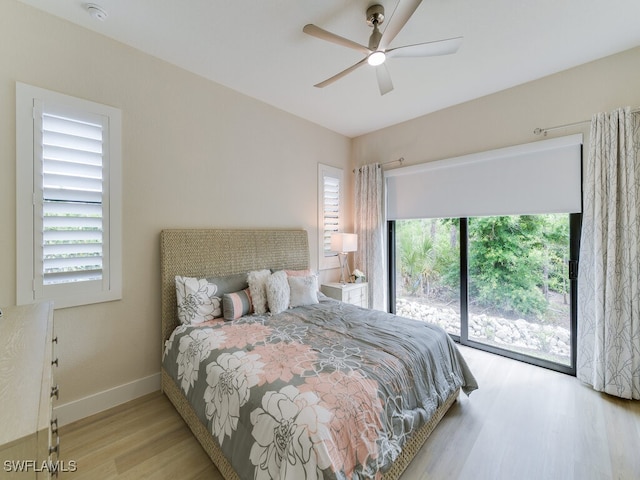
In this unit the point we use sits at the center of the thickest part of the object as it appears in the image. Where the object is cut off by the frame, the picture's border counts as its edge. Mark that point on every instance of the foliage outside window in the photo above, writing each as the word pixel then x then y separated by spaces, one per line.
pixel 518 261
pixel 512 291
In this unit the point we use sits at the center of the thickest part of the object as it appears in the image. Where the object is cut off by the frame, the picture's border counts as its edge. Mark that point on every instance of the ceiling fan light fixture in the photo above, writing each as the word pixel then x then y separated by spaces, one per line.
pixel 376 58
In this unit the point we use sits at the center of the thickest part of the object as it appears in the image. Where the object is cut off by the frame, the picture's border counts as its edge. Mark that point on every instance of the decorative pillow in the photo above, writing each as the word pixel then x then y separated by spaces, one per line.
pixel 237 304
pixel 278 292
pixel 304 290
pixel 258 289
pixel 197 300
pixel 229 283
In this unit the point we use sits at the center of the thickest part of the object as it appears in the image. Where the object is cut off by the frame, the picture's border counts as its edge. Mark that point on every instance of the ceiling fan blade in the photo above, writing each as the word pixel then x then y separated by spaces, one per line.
pixel 343 73
pixel 427 49
pixel 384 79
pixel 399 18
pixel 322 34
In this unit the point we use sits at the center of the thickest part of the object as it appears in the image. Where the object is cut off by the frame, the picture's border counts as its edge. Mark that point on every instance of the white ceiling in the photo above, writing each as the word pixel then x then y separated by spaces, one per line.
pixel 257 47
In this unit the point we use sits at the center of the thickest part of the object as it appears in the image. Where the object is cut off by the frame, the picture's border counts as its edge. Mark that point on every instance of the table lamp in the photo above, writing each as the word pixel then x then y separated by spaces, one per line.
pixel 343 243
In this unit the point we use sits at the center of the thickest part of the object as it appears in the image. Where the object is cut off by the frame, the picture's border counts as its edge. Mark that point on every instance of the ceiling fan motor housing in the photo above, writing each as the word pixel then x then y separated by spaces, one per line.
pixel 375 15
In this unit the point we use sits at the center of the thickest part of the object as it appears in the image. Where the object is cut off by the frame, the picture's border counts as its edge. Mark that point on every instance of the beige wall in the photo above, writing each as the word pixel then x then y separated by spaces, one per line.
pixel 195 154
pixel 509 117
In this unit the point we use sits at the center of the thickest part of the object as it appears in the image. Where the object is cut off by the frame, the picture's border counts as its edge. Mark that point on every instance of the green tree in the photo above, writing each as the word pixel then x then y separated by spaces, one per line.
pixel 557 250
pixel 505 264
pixel 515 262
pixel 448 257
pixel 417 256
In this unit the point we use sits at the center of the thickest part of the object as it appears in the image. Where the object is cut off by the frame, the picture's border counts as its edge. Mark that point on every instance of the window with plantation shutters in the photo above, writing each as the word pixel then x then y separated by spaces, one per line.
pixel 68 165
pixel 72 195
pixel 329 212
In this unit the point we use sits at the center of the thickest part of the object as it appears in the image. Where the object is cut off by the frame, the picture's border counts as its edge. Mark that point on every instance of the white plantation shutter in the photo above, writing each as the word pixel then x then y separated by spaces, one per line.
pixel 330 201
pixel 72 188
pixel 331 210
pixel 68 169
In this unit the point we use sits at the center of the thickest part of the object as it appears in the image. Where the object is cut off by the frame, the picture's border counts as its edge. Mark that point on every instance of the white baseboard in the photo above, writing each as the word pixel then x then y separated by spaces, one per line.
pixel 98 402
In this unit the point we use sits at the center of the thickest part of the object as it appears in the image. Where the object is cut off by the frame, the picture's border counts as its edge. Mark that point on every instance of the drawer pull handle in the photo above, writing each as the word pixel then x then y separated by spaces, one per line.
pixel 54 426
pixel 55 362
pixel 55 339
pixel 55 392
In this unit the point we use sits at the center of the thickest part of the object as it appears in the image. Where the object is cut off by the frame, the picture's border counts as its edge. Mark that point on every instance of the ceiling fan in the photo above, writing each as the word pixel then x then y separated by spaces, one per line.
pixel 378 49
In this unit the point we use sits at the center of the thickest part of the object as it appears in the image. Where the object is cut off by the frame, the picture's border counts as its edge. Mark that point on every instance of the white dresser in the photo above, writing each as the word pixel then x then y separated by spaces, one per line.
pixel 355 293
pixel 29 442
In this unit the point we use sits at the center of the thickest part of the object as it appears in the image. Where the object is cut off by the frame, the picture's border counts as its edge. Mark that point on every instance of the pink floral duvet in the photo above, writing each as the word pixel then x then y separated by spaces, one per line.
pixel 323 391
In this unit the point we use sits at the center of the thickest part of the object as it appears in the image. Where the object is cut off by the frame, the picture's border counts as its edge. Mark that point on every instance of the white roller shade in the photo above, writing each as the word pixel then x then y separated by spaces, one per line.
pixel 535 178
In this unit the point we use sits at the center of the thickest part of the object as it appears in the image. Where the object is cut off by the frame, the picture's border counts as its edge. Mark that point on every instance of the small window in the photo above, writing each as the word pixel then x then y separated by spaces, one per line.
pixel 330 200
pixel 68 184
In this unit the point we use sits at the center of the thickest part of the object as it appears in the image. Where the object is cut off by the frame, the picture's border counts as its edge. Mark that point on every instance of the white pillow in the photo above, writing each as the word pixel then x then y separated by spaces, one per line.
pixel 278 292
pixel 257 280
pixel 304 290
pixel 196 300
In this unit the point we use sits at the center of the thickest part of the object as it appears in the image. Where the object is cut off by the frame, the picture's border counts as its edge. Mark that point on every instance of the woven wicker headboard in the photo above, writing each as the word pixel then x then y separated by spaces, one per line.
pixel 217 252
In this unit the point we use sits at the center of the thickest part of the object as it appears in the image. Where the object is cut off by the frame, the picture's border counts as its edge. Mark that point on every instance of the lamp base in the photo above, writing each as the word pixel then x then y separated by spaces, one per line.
pixel 342 257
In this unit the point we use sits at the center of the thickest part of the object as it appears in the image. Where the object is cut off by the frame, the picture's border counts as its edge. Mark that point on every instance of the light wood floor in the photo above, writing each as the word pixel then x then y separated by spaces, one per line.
pixel 523 423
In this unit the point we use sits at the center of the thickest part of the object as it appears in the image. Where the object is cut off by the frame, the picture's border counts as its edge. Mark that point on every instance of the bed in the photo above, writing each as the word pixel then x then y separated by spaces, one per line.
pixel 334 408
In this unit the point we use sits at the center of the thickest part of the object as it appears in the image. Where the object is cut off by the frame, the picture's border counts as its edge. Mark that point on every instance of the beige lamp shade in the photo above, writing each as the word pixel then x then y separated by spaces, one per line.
pixel 344 242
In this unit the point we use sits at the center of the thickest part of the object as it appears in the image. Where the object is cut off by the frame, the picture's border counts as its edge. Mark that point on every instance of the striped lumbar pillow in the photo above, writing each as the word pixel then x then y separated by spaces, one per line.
pixel 237 304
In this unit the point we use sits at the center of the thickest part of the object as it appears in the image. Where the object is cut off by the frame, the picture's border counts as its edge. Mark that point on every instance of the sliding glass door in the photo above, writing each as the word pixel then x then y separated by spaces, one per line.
pixel 505 284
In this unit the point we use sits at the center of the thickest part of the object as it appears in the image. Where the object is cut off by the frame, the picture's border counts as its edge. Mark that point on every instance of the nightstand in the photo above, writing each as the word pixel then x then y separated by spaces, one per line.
pixel 355 293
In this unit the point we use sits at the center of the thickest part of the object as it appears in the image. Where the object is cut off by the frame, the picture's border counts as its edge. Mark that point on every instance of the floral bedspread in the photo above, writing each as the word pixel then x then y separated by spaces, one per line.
pixel 323 391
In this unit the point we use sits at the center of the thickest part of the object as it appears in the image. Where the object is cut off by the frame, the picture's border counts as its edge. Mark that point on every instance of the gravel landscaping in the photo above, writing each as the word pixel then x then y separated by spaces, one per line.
pixel 519 334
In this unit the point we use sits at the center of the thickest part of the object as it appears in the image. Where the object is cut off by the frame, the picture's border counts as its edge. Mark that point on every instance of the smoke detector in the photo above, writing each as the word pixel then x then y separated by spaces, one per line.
pixel 96 11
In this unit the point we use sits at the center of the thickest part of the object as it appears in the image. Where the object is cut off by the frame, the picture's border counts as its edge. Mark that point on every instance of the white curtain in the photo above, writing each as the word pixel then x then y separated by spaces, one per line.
pixel 609 272
pixel 369 226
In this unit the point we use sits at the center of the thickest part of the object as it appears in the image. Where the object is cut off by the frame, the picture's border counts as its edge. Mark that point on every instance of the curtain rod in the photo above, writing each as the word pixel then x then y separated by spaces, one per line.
pixel 401 160
pixel 543 131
